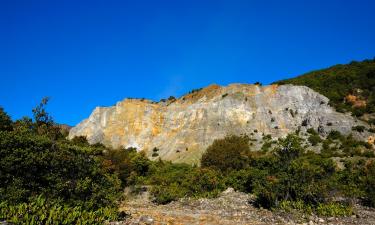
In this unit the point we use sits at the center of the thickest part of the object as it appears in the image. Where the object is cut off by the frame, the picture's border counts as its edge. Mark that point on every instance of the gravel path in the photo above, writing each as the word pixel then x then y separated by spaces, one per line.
pixel 229 208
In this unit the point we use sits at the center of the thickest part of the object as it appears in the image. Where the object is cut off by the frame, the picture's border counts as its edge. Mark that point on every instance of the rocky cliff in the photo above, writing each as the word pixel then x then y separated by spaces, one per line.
pixel 182 128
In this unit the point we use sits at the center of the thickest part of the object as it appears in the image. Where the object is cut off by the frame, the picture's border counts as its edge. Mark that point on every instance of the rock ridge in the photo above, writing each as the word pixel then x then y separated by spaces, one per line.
pixel 182 128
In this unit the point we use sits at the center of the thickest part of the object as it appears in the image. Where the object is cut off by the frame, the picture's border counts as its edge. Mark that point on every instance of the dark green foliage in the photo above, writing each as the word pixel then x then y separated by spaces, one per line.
pixel 173 181
pixel 356 78
pixel 359 128
pixel 80 140
pixel 289 178
pixel 127 164
pixel 31 164
pixel 37 160
pixel 172 98
pixel 195 90
pixel 5 121
pixel 370 182
pixel 227 154
pixel 334 135
pixel 41 116
pixel 371 121
pixel 266 146
pixel 289 148
pixel 314 137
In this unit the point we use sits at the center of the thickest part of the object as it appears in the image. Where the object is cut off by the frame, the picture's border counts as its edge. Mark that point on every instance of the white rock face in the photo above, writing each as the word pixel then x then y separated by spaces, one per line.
pixel 182 129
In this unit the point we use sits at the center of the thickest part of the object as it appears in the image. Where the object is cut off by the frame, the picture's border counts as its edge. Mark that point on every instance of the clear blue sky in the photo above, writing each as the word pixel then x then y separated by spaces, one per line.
pixel 88 53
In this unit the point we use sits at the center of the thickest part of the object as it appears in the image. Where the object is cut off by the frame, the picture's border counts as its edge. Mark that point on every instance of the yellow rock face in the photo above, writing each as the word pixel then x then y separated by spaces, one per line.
pixel 183 128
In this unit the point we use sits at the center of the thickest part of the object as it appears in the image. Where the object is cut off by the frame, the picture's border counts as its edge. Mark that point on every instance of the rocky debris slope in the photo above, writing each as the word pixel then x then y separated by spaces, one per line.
pixel 229 208
pixel 182 128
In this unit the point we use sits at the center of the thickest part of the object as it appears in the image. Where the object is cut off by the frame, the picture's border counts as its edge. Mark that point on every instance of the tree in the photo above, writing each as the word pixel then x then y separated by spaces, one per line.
pixel 5 121
pixel 41 116
pixel 43 121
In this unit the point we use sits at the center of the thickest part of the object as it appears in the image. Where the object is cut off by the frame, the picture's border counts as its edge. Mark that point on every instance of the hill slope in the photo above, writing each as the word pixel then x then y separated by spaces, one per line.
pixel 181 129
pixel 350 87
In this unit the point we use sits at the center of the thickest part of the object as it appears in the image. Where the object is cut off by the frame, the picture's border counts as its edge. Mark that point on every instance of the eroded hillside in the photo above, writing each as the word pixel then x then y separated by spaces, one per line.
pixel 182 128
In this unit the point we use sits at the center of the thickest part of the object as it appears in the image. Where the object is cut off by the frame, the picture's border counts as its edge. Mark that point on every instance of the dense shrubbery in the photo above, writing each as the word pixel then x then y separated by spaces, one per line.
pixel 32 164
pixel 337 82
pixel 288 177
pixel 173 181
pixel 37 160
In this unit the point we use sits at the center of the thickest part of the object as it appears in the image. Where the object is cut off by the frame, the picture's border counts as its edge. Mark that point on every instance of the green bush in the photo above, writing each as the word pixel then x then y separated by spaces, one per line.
pixel 370 182
pixel 314 139
pixel 164 194
pixel 359 128
pixel 300 206
pixel 230 153
pixel 334 135
pixel 333 209
pixel 127 164
pixel 32 164
pixel 173 181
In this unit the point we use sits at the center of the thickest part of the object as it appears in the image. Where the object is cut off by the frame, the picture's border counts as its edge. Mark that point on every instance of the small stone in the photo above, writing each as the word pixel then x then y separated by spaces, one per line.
pixel 146 220
pixel 229 190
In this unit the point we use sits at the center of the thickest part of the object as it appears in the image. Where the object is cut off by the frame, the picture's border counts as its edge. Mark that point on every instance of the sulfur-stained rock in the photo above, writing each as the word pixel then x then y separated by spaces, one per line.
pixel 182 128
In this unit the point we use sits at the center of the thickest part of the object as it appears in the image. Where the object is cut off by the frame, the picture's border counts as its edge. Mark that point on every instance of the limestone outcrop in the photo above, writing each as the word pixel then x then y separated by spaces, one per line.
pixel 182 128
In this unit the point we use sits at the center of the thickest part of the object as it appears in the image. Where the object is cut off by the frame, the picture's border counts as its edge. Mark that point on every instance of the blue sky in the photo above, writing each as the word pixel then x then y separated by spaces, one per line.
pixel 94 53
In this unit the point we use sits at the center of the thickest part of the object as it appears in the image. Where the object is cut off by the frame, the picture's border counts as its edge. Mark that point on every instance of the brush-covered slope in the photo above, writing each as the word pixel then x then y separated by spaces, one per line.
pixel 182 128
pixel 350 87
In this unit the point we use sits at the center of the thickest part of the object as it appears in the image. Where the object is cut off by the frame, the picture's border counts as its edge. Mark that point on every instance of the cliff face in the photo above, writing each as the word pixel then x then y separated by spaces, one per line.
pixel 182 129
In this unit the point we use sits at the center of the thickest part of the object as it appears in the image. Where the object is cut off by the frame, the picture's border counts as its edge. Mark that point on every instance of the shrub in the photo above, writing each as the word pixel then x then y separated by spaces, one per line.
pixel 370 182
pixel 333 209
pixel 334 135
pixel 173 181
pixel 164 194
pixel 230 153
pixel 359 128
pixel 300 206
pixel 31 164
pixel 314 139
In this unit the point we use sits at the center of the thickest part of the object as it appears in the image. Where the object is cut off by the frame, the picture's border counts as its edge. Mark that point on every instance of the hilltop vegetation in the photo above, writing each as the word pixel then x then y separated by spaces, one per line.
pixel 350 87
